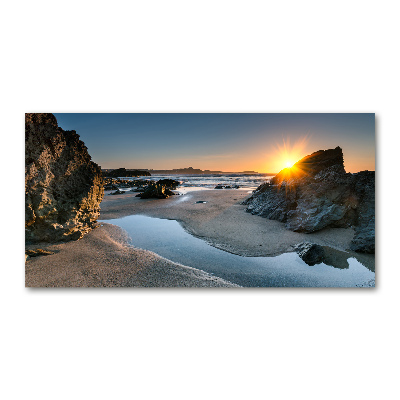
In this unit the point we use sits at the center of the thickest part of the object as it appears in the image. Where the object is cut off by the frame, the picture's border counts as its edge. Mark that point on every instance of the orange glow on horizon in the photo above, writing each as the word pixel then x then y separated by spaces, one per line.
pixel 287 154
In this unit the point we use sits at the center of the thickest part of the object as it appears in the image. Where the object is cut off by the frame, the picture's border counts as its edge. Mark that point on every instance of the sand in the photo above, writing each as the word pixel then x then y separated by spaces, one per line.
pixel 224 223
pixel 103 257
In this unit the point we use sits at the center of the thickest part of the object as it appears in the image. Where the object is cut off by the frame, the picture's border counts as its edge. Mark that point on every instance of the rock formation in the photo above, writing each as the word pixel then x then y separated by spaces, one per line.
pixel 317 193
pixel 169 183
pixel 63 187
pixel 310 253
pixel 157 191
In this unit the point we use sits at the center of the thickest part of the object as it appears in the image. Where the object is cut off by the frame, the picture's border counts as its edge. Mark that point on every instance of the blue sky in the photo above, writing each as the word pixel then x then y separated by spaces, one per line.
pixel 226 142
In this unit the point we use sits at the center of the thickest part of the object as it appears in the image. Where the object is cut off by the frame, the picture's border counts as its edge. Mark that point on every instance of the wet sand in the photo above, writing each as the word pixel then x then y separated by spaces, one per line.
pixel 104 258
pixel 224 223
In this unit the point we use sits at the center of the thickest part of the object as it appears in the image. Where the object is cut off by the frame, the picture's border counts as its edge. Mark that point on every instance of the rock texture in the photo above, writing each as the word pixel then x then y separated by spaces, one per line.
pixel 310 253
pixel 63 187
pixel 157 191
pixel 317 193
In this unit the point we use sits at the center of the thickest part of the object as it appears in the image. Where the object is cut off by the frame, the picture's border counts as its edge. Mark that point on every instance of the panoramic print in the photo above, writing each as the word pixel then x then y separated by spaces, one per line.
pixel 199 200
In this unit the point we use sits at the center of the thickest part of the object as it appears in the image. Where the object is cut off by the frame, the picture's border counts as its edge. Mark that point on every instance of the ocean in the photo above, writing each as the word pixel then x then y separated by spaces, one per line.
pixel 244 181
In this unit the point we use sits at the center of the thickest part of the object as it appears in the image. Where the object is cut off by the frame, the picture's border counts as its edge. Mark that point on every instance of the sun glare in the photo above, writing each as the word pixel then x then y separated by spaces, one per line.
pixel 289 164
pixel 288 154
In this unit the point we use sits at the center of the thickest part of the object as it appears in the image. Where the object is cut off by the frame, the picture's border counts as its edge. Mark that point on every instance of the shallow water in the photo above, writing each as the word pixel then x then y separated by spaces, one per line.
pixel 211 180
pixel 168 239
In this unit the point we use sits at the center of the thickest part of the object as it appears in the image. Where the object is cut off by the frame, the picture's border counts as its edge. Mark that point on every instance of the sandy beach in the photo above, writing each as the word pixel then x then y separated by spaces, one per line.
pixel 104 256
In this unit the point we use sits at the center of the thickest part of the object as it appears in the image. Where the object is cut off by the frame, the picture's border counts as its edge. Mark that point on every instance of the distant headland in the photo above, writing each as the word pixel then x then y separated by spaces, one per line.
pixel 177 171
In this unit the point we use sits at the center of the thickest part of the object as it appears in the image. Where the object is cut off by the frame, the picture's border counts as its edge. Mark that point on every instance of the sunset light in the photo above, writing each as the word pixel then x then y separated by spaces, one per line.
pixel 287 153
pixel 289 164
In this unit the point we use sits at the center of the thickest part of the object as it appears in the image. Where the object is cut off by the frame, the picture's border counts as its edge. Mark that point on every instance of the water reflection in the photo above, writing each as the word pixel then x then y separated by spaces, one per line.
pixel 168 239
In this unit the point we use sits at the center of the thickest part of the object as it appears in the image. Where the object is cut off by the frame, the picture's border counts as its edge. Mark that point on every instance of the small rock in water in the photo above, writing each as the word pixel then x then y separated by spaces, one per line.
pixel 310 253
pixel 201 201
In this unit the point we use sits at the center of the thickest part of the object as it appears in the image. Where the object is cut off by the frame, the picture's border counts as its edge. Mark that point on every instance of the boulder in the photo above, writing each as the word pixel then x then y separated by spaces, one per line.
pixel 310 253
pixel 63 187
pixel 169 183
pixel 311 196
pixel 155 190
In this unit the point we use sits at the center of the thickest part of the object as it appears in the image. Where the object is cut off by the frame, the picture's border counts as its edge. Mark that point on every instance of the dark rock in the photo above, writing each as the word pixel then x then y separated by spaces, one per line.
pixel 310 253
pixel 310 197
pixel 364 238
pixel 219 187
pixel 123 172
pixel 63 187
pixel 157 191
pixel 312 164
pixel 169 183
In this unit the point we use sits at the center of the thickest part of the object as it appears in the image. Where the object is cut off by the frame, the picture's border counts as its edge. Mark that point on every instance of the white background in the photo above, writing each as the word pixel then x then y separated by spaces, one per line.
pixel 231 56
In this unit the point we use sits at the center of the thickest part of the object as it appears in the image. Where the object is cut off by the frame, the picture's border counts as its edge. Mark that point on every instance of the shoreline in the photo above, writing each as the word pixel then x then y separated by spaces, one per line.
pixel 104 258
pixel 221 222
pixel 224 223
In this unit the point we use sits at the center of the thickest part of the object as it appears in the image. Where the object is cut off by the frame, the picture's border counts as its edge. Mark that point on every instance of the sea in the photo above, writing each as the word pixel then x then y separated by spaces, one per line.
pixel 244 181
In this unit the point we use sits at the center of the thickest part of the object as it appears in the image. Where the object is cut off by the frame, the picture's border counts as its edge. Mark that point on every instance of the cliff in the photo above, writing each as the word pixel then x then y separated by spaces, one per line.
pixel 317 193
pixel 63 187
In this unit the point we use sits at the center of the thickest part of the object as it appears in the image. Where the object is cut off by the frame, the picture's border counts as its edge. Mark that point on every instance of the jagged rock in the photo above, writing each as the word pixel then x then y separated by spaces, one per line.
pixel 63 187
pixel 157 191
pixel 312 164
pixel 309 197
pixel 169 183
pixel 364 238
pixel 310 253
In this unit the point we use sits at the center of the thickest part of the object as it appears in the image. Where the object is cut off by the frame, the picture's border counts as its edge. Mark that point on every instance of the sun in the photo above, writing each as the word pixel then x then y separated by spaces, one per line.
pixel 289 164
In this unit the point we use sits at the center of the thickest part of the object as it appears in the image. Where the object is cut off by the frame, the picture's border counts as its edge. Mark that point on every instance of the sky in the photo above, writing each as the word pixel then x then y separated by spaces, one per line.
pixel 237 142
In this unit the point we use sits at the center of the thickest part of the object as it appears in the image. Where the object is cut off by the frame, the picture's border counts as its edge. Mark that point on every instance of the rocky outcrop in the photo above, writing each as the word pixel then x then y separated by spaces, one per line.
pixel 312 164
pixel 317 193
pixel 63 187
pixel 157 191
pixel 169 183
